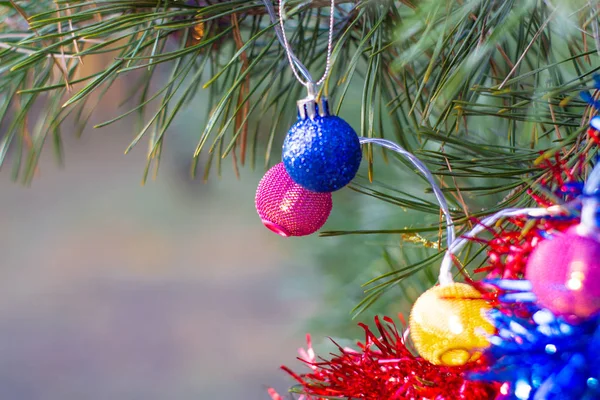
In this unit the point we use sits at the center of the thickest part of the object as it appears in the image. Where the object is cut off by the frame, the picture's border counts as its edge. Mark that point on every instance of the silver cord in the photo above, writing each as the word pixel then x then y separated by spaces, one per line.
pixel 450 235
pixel 275 21
pixel 587 225
pixel 309 83
pixel 445 276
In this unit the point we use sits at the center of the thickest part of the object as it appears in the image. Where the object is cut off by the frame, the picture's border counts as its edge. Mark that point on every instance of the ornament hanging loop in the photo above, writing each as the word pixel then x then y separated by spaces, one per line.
pixel 293 60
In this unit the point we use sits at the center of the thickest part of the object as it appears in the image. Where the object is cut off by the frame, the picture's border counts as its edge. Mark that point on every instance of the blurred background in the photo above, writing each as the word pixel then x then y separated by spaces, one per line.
pixel 113 290
pixel 175 290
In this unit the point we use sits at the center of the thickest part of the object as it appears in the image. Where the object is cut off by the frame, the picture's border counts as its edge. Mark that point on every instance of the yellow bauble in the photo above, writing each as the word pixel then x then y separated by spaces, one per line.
pixel 448 324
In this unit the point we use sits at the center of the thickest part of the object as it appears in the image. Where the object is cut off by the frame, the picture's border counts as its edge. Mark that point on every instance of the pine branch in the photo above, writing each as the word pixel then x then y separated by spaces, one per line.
pixel 481 90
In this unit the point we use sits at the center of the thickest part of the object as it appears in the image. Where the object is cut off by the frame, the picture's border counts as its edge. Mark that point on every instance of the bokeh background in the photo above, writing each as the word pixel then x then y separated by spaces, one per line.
pixel 174 290
pixel 113 290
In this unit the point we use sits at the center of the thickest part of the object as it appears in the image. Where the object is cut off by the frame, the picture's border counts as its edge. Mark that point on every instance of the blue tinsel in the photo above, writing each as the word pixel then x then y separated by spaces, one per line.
pixel 544 357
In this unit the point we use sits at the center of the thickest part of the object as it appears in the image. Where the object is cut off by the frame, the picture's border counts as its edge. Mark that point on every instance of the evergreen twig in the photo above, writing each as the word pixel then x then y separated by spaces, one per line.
pixel 481 90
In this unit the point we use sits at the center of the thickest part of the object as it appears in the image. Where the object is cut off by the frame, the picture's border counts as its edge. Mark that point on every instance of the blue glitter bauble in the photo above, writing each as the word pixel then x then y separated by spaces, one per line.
pixel 322 153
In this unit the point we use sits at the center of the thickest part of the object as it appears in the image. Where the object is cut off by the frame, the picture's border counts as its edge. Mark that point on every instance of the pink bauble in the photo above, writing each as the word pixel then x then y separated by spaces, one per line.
pixel 287 208
pixel 565 274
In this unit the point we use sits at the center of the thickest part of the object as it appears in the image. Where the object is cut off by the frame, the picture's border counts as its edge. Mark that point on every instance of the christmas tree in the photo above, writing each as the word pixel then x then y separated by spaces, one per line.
pixel 495 98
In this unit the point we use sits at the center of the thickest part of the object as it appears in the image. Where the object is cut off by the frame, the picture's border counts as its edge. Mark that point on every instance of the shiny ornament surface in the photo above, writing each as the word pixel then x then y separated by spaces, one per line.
pixel 448 324
pixel 321 152
pixel 288 209
pixel 565 274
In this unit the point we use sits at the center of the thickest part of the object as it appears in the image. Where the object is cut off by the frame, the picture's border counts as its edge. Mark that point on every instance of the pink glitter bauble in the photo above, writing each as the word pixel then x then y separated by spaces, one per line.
pixel 565 274
pixel 287 208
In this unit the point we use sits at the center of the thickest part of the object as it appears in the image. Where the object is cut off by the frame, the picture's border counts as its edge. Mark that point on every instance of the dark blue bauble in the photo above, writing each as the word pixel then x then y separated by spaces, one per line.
pixel 322 153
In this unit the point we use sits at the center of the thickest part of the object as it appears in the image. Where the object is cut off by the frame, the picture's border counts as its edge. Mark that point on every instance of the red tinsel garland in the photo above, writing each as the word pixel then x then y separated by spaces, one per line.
pixel 384 369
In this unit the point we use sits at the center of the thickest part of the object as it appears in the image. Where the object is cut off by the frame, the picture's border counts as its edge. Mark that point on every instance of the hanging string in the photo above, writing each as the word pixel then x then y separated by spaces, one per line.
pixel 288 49
pixel 445 276
pixel 450 235
pixel 274 20
pixel 296 65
